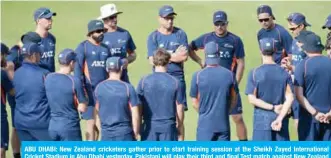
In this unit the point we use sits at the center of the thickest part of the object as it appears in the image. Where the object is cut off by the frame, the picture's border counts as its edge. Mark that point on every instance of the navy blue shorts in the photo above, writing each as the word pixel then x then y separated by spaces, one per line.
pixel 311 130
pixel 33 135
pixel 89 113
pixel 213 136
pixel 269 135
pixel 295 109
pixel 4 133
pixel 125 76
pixel 105 136
pixel 238 108
pixel 65 135
pixel 158 132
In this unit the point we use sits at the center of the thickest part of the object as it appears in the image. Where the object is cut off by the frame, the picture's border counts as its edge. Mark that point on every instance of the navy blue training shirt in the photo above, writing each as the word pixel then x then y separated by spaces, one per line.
pixel 268 83
pixel 64 92
pixel 297 53
pixel 115 99
pixel 313 74
pixel 159 94
pixel 283 41
pixel 170 43
pixel 213 86
pixel 32 109
pixel 15 56
pixel 230 48
pixel 47 57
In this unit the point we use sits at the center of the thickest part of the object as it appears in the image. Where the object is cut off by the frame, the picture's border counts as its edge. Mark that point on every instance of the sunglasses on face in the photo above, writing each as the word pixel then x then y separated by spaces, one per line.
pixel 220 23
pixel 99 31
pixel 111 17
pixel 169 18
pixel 264 20
pixel 294 28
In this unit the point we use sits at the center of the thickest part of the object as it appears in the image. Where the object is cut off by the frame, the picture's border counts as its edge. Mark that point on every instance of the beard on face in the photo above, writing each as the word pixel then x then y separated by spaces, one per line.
pixel 98 38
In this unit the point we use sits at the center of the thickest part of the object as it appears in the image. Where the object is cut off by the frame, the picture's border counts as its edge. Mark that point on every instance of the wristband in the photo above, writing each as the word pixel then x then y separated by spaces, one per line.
pixel 273 108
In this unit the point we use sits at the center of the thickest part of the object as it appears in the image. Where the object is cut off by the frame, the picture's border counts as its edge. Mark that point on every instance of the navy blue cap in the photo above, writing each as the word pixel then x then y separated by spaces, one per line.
pixel 265 9
pixel 66 56
pixel 43 13
pixel 114 63
pixel 30 49
pixel 327 22
pixel 95 25
pixel 311 42
pixel 31 37
pixel 4 49
pixel 298 19
pixel 220 16
pixel 212 54
pixel 166 10
pixel 267 45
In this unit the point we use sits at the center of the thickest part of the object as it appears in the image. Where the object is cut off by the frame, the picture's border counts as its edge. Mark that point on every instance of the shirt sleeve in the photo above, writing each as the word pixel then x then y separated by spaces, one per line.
pixel 80 55
pixel 133 97
pixel 131 44
pixel 194 86
pixel 151 44
pixel 250 85
pixel 81 95
pixel 239 49
pixel 299 79
pixel 198 43
pixel 287 41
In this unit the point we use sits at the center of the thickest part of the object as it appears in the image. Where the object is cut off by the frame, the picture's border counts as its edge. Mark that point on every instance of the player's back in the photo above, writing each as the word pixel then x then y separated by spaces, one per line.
pixel 32 109
pixel 214 87
pixel 317 82
pixel 60 91
pixel 114 106
pixel 158 97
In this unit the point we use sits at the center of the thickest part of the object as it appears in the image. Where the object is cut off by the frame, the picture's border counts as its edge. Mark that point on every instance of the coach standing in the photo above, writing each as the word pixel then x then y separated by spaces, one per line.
pixel 44 21
pixel 66 98
pixel 231 56
pixel 269 89
pixel 214 93
pixel 90 70
pixel 328 38
pixel 32 112
pixel 118 40
pixel 174 41
pixel 312 87
pixel 270 29
pixel 162 102
pixel 117 105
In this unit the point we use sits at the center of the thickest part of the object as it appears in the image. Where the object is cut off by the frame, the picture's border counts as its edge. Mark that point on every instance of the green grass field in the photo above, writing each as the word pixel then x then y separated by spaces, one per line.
pixel 140 18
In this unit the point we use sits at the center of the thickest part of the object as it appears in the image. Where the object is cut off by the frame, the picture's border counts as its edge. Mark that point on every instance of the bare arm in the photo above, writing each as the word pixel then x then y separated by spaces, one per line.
pixel 303 101
pixel 136 121
pixel 180 55
pixel 287 104
pixel 193 55
pixel 240 69
pixel 132 56
pixel 150 59
pixel 234 98
pixel 10 69
pixel 195 103
pixel 259 103
pixel 180 122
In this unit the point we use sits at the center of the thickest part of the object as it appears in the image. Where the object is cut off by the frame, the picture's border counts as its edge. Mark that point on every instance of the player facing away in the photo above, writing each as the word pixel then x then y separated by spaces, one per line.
pixel 214 95
pixel 90 70
pixel 66 98
pixel 269 90
pixel 14 61
pixel 6 87
pixel 117 105
pixel 312 88
pixel 118 39
pixel 162 102
pixel 32 112
pixel 283 40
pixel 174 41
pixel 231 56
pixel 296 23
pixel 43 18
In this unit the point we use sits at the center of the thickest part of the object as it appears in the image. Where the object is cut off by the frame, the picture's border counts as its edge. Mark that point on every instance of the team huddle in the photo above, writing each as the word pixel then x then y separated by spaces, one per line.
pixel 92 83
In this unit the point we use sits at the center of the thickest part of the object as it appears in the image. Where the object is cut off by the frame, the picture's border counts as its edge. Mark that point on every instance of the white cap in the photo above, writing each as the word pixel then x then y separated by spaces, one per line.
pixel 108 10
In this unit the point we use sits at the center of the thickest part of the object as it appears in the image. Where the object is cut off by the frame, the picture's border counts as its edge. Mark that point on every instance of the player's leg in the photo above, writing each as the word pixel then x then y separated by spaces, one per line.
pixel 89 116
pixel 14 140
pixel 326 132
pixel 224 136
pixel 71 135
pixel 306 128
pixel 125 137
pixel 147 133
pixel 183 87
pixel 262 135
pixel 4 136
pixel 237 117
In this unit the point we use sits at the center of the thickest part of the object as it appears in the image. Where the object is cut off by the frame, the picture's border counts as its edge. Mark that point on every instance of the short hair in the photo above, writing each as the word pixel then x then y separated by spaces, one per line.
pixel 161 57
pixel 328 41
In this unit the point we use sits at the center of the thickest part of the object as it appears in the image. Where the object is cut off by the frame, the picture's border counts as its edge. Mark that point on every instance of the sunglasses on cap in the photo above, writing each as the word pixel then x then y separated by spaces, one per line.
pixel 220 23
pixel 44 13
pixel 264 20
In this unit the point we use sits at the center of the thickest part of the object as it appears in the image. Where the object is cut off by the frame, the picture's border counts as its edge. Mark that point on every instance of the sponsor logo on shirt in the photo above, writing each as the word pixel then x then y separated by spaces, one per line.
pixel 114 51
pixel 48 54
pixel 119 41
pixel 51 44
pixel 174 43
pixel 228 45
pixel 98 64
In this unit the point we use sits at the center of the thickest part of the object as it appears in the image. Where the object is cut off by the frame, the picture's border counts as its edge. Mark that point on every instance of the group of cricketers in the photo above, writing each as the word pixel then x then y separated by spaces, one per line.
pixel 293 80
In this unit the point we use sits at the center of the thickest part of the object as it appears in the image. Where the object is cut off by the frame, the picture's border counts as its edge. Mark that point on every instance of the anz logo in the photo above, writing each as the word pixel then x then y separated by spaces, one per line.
pixel 114 51
pixel 48 54
pixel 98 64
